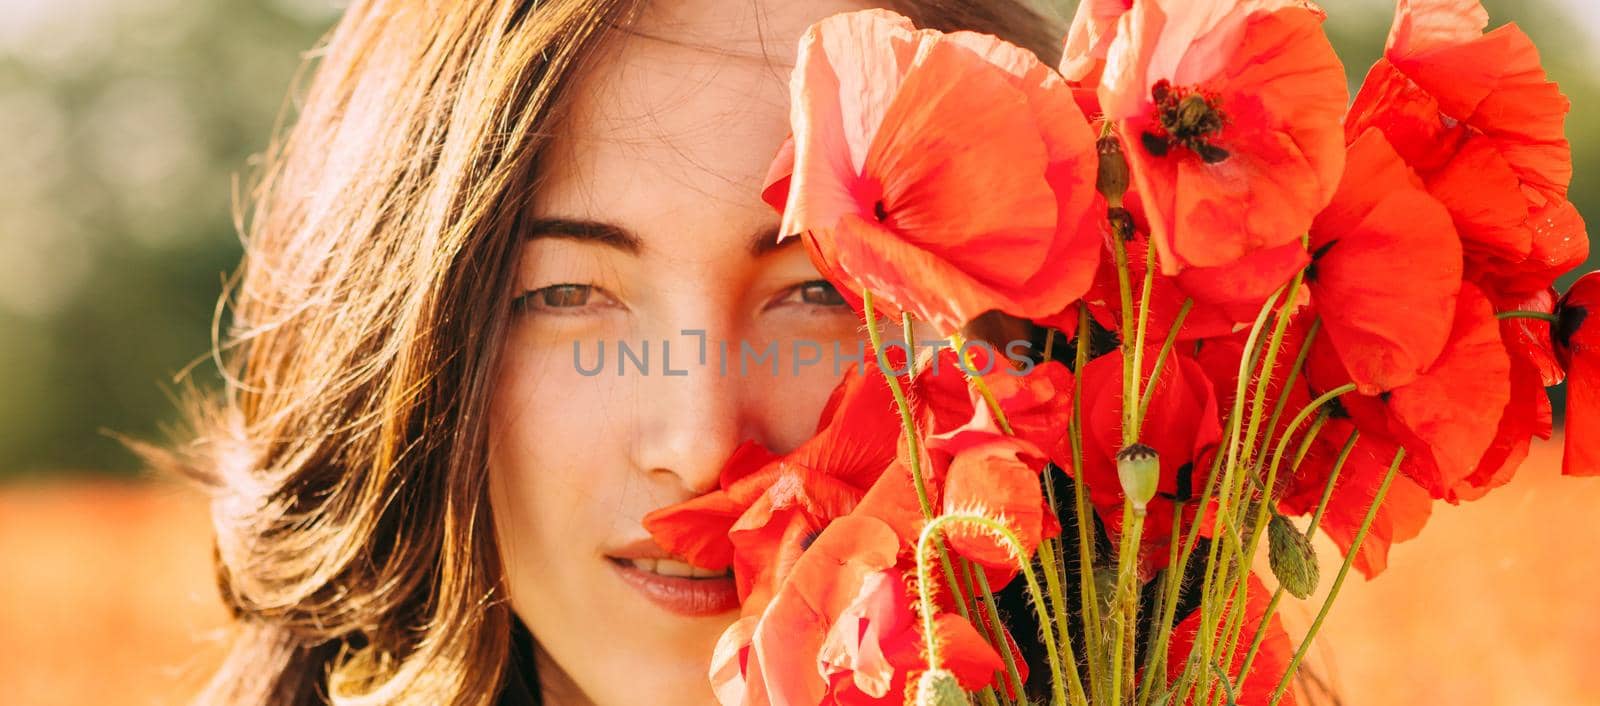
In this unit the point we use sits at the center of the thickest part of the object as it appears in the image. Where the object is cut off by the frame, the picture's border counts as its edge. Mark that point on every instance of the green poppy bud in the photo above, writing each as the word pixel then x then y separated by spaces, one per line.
pixel 938 687
pixel 1139 469
pixel 1293 560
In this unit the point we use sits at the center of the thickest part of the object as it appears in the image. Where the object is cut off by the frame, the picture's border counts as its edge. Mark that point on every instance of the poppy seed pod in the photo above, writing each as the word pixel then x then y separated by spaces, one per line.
pixel 1111 180
pixel 1293 560
pixel 938 687
pixel 1139 469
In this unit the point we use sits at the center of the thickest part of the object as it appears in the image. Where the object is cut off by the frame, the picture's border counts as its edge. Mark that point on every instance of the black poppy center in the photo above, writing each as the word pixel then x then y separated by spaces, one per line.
pixel 1568 321
pixel 1185 119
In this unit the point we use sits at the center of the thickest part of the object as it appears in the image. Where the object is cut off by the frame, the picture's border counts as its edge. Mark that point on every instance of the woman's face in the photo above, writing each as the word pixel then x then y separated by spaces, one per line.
pixel 654 259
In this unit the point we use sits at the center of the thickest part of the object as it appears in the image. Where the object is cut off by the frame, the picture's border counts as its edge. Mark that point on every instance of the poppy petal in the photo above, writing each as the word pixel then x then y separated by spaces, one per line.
pixel 1386 271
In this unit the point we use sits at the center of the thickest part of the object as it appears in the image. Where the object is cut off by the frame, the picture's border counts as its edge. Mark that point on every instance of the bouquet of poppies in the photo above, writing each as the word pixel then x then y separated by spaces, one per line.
pixel 1253 310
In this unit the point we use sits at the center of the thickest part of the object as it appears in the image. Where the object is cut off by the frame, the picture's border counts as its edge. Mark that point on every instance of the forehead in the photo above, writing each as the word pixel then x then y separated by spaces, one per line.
pixel 683 109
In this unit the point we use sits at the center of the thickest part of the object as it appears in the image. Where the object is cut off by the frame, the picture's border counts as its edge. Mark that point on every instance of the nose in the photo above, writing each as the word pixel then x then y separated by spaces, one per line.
pixel 691 415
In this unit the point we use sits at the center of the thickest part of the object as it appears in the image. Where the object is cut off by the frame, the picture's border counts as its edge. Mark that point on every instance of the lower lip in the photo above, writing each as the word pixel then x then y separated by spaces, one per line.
pixel 684 596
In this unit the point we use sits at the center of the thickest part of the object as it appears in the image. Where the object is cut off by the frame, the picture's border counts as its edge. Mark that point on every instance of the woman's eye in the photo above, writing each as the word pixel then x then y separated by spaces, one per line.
pixel 819 292
pixel 556 297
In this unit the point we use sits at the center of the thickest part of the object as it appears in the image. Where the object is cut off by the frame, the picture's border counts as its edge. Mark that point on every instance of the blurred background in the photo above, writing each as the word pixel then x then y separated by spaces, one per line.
pixel 124 126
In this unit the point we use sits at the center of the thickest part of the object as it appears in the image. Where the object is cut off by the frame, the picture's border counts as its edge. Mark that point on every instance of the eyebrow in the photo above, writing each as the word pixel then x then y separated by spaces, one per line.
pixel 764 240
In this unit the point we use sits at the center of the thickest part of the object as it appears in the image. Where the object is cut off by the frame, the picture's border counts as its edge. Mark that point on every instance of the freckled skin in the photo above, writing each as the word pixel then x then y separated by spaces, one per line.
pixel 670 141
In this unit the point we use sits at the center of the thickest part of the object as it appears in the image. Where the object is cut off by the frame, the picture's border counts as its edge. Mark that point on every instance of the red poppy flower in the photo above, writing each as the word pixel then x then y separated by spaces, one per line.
pixel 1229 114
pixel 770 656
pixel 1299 488
pixel 875 647
pixel 952 174
pixel 1270 662
pixel 768 506
pixel 840 629
pixel 1534 367
pixel 1385 270
pixel 1094 25
pixel 1447 417
pixel 1577 338
pixel 972 468
pixel 1037 404
pixel 1182 425
pixel 1405 508
pixel 1528 339
pixel 1224 297
pixel 997 476
pixel 1477 118
pixel 1527 414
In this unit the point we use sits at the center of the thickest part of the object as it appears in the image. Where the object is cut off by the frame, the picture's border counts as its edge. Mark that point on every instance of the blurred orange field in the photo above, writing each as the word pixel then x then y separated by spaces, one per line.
pixel 106 597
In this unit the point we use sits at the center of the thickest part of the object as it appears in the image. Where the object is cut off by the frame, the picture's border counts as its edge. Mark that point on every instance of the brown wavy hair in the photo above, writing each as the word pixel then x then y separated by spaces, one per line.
pixel 345 451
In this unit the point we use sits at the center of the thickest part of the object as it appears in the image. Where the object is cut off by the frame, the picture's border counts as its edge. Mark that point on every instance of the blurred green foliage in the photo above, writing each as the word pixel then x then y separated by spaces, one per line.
pixel 122 125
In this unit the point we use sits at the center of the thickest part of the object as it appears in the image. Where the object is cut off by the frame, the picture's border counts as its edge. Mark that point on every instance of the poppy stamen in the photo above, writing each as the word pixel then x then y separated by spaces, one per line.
pixel 1188 119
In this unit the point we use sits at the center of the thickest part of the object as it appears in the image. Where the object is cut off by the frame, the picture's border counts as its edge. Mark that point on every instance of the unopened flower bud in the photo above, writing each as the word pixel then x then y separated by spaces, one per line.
pixel 938 687
pixel 1293 560
pixel 1112 179
pixel 1139 469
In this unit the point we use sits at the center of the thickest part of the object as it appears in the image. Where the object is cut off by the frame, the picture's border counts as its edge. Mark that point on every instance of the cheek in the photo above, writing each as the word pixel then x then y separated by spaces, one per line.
pixel 815 352
pixel 547 466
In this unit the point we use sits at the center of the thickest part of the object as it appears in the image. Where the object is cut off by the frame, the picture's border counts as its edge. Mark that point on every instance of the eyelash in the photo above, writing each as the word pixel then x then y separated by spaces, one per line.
pixel 531 299
pixel 836 299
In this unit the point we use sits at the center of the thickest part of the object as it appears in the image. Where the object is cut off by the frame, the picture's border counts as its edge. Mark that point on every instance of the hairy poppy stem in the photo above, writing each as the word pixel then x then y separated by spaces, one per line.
pixel 1234 486
pixel 957 341
pixel 1311 531
pixel 1217 478
pixel 1161 358
pixel 1046 550
pixel 1236 610
pixel 1093 632
pixel 925 592
pixel 1018 689
pixel 1294 372
pixel 909 427
pixel 1166 609
pixel 1130 374
pixel 1140 335
pixel 1127 603
pixel 1338 581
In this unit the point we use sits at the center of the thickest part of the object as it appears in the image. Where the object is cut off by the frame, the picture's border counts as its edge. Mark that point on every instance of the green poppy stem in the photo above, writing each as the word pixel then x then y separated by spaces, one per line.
pixel 1517 314
pixel 930 535
pixel 1338 582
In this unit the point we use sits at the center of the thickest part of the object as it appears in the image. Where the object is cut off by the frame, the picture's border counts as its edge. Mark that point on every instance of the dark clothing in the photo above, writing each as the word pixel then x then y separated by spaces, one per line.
pixel 521 687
